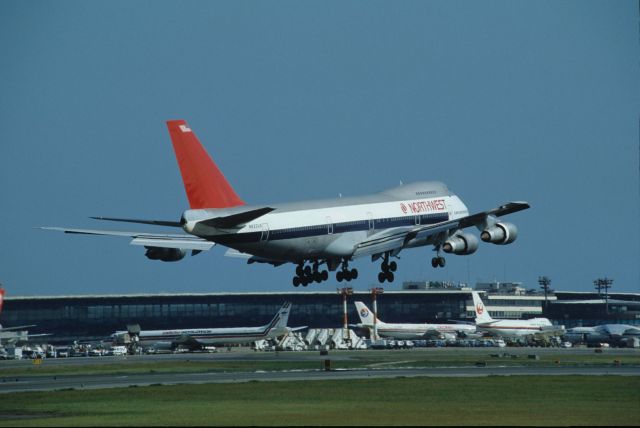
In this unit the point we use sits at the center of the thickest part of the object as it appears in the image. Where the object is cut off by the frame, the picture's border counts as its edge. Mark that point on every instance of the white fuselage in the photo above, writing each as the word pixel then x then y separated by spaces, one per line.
pixel 330 229
pixel 420 331
pixel 512 328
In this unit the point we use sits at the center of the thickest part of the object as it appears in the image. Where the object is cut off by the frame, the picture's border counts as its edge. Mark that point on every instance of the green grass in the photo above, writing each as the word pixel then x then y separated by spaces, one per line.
pixel 515 400
pixel 339 359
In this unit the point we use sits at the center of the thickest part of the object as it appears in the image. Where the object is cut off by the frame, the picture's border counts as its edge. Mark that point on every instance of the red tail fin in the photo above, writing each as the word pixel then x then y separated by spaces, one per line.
pixel 205 185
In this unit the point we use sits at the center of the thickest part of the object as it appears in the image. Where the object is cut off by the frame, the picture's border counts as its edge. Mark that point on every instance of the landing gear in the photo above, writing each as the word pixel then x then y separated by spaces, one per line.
pixel 345 273
pixel 306 274
pixel 388 268
pixel 438 261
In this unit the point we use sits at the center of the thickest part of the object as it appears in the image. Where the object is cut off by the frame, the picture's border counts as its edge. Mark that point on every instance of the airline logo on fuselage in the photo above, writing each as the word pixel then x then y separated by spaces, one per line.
pixel 424 206
pixel 185 128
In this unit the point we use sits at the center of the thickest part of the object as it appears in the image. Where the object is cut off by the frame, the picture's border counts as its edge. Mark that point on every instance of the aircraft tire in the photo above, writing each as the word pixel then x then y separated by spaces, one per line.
pixel 393 266
pixel 390 276
pixel 299 270
pixel 354 273
pixel 339 276
pixel 324 275
pixel 296 281
pixel 382 277
pixel 434 262
pixel 441 261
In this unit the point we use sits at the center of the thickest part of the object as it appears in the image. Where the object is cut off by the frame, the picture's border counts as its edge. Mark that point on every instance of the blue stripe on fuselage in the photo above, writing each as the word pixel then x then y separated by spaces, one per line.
pixel 322 229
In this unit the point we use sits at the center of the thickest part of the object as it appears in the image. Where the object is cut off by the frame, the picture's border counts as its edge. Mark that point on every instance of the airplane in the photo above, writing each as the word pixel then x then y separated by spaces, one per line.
pixel 614 334
pixel 331 232
pixel 200 337
pixel 405 331
pixel 511 328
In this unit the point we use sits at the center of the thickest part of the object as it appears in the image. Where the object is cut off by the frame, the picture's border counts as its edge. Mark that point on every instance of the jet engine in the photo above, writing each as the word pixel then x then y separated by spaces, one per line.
pixel 461 244
pixel 165 254
pixel 500 233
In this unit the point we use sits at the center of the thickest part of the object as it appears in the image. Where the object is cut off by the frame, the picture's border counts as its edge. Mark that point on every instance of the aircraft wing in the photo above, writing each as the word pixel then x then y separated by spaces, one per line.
pixel 187 242
pixel 20 327
pixel 395 239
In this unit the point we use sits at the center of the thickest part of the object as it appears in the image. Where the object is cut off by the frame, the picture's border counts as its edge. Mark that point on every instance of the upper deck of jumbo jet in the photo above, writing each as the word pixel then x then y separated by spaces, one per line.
pixel 409 191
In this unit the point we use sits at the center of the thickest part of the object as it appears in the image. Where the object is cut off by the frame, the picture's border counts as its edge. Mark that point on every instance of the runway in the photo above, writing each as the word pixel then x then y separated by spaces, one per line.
pixel 12 384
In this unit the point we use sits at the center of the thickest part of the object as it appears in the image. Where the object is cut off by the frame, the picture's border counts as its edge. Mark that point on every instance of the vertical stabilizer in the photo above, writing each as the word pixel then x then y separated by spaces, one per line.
pixel 482 315
pixel 204 183
pixel 366 316
pixel 278 325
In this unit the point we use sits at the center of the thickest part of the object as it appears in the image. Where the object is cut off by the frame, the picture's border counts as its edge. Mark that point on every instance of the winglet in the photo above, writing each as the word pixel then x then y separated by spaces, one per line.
pixel 204 183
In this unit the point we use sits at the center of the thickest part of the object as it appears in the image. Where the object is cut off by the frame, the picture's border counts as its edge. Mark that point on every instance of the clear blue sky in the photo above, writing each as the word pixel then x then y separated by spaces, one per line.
pixel 295 100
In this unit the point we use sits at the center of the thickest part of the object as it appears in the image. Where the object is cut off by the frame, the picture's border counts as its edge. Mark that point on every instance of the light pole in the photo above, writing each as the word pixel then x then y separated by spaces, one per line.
pixel 544 283
pixel 347 291
pixel 374 294
pixel 604 284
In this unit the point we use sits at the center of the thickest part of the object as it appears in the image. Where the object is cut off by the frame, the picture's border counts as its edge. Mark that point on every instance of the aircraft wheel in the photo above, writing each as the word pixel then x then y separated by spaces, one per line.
pixel 325 275
pixel 339 276
pixel 441 261
pixel 434 262
pixel 299 270
pixel 354 273
pixel 296 281
pixel 393 266
pixel 382 277
pixel 347 275
pixel 390 276
pixel 317 277
pixel 307 270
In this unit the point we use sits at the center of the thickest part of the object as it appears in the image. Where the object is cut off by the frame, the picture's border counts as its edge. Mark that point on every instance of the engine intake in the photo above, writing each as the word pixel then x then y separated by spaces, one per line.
pixel 500 233
pixel 461 244
pixel 165 254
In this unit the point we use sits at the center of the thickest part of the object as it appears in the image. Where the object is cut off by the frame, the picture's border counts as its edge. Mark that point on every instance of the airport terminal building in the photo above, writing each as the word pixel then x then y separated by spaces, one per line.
pixel 96 317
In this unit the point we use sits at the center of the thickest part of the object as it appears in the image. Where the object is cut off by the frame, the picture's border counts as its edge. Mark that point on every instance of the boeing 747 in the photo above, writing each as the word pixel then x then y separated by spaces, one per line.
pixel 313 234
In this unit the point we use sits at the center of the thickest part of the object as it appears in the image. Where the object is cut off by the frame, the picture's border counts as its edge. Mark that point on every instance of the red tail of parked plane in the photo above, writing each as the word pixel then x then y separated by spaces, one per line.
pixel 205 184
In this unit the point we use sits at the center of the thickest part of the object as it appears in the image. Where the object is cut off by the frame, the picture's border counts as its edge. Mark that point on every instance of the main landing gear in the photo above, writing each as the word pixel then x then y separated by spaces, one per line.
pixel 388 268
pixel 306 275
pixel 345 273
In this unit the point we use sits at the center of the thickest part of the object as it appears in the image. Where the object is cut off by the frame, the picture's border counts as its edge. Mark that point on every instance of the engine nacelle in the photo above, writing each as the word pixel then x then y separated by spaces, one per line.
pixel 461 244
pixel 500 233
pixel 165 254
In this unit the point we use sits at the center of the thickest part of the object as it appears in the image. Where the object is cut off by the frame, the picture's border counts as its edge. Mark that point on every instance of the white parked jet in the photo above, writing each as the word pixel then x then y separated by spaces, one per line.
pixel 511 328
pixel 311 234
pixel 198 337
pixel 406 331
pixel 614 334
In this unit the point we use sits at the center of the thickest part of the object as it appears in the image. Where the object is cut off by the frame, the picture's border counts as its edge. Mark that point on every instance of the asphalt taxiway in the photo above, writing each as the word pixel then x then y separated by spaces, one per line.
pixel 9 383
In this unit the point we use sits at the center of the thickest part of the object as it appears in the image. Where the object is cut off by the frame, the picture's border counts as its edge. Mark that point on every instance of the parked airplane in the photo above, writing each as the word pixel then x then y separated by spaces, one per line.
pixel 329 232
pixel 511 328
pixel 199 337
pixel 613 334
pixel 412 331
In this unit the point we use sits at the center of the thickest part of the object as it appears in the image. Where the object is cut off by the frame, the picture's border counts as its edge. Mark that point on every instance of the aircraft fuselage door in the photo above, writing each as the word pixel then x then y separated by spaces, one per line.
pixel 264 236
pixel 371 223
pixel 329 226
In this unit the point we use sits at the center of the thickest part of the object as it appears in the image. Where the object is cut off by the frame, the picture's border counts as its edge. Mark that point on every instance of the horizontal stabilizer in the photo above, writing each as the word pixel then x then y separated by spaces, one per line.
pixel 187 242
pixel 131 220
pixel 236 219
